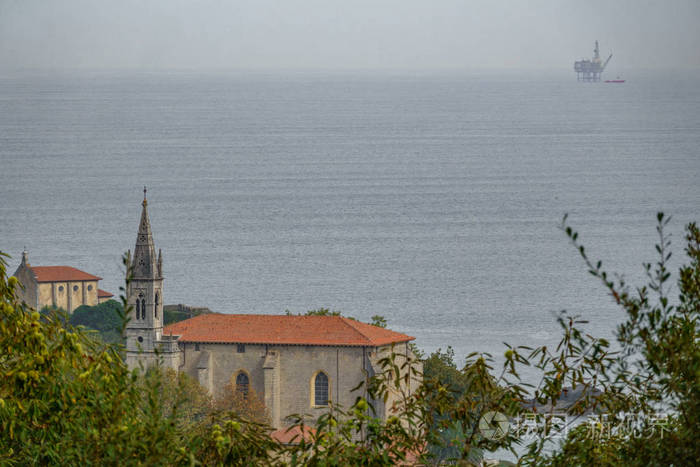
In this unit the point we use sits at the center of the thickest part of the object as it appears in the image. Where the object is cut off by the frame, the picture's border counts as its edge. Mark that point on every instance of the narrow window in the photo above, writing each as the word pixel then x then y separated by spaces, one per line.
pixel 196 347
pixel 140 307
pixel 240 348
pixel 156 308
pixel 321 389
pixel 242 383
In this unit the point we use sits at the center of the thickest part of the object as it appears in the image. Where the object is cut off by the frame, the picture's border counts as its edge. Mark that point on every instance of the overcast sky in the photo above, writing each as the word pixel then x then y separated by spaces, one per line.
pixel 345 34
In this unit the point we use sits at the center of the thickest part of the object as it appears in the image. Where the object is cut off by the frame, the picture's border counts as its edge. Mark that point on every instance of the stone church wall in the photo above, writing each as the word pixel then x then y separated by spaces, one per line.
pixel 64 294
pixel 298 366
pixel 59 294
pixel 226 362
pixel 26 278
pixel 49 295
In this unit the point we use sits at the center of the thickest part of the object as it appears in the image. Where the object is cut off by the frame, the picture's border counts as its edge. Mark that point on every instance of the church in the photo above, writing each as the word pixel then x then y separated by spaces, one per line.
pixel 58 286
pixel 296 364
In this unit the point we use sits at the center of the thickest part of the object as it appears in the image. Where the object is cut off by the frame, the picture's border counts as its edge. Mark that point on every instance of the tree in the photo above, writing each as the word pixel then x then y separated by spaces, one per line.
pixel 442 367
pixel 322 312
pixel 379 321
pixel 106 318
pixel 247 404
pixel 66 399
pixel 655 377
pixel 180 396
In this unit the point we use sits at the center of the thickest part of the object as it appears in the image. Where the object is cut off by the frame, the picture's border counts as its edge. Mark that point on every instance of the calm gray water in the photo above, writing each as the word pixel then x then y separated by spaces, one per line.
pixel 433 200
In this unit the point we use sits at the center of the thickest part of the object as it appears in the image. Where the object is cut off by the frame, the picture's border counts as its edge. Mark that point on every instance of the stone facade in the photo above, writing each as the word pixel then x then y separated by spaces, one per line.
pixel 58 286
pixel 284 375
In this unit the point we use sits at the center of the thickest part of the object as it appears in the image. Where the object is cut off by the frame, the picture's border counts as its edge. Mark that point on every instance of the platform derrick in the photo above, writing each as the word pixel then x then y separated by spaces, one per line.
pixel 590 70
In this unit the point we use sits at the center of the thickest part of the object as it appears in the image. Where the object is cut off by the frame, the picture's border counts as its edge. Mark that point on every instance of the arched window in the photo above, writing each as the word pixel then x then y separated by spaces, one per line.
pixel 156 307
pixel 242 383
pixel 321 389
pixel 143 308
pixel 138 309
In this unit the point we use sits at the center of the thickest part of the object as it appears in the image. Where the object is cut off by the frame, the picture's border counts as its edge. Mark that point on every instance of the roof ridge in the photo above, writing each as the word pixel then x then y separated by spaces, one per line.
pixel 347 322
pixel 54 266
pixel 38 271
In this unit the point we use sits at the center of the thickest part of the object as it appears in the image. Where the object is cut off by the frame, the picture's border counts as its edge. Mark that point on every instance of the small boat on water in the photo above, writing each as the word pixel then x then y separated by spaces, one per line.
pixel 616 80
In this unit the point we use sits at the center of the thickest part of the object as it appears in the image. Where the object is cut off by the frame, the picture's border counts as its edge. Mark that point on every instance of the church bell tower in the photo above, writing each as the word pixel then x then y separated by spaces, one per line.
pixel 144 331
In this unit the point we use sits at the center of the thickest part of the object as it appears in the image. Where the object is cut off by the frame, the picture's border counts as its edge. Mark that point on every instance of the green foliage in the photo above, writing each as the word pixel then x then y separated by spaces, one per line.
pixel 322 312
pixel 106 318
pixel 67 399
pixel 656 374
pixel 379 321
pixel 63 398
pixel 173 316
pixel 442 367
pixel 652 381
pixel 174 313
pixel 55 312
pixel 49 309
pixel 182 398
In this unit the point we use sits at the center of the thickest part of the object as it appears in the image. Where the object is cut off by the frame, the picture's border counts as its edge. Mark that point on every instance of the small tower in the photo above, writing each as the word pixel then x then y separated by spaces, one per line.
pixel 144 331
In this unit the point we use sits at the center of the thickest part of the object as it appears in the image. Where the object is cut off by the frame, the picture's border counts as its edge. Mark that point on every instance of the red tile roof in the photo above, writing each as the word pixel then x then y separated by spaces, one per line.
pixel 292 435
pixel 284 329
pixel 104 294
pixel 61 274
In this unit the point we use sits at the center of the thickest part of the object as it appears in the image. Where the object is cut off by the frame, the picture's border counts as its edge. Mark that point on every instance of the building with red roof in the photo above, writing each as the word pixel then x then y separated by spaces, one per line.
pixel 295 364
pixel 103 296
pixel 58 286
pixel 283 330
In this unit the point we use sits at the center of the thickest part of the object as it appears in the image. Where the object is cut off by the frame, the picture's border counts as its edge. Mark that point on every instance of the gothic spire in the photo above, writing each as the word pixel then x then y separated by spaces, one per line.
pixel 144 259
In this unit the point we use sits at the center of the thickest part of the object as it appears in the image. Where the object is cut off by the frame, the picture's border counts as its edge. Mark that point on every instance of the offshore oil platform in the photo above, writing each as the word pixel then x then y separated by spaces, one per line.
pixel 590 70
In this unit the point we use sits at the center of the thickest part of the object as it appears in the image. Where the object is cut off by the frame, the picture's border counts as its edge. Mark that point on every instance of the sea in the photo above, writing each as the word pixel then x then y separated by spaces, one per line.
pixel 433 199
